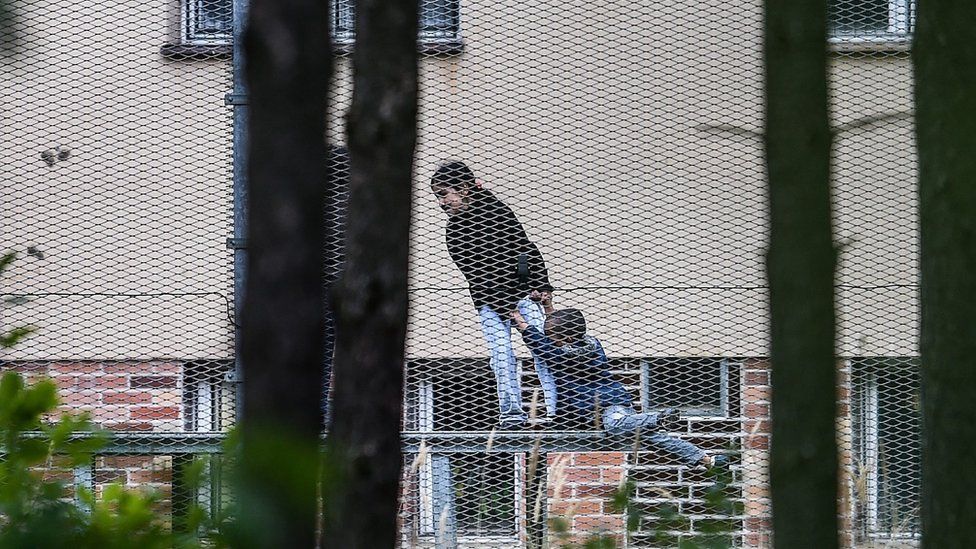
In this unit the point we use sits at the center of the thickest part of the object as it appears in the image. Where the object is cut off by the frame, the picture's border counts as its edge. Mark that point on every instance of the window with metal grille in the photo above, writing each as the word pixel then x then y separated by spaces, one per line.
pixel 207 401
pixel 439 21
pixel 208 21
pixel 695 386
pixel 881 21
pixel 478 489
pixel 887 440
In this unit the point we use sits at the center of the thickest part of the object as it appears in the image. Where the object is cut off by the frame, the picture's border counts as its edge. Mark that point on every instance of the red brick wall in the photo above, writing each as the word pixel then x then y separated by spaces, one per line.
pixel 581 486
pixel 755 452
pixel 119 395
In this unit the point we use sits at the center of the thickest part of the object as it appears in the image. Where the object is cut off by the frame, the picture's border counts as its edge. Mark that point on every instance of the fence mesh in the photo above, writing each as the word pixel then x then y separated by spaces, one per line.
pixel 608 157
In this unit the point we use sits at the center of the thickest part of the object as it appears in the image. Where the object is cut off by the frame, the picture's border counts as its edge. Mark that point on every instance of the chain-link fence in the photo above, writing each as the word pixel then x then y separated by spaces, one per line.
pixel 602 158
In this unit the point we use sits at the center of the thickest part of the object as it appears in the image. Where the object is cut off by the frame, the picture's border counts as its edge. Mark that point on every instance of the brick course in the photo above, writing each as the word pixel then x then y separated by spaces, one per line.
pixel 119 395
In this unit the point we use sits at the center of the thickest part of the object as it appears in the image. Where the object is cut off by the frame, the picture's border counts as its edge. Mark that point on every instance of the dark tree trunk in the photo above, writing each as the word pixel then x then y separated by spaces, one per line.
pixel 945 81
pixel 800 267
pixel 288 69
pixel 363 449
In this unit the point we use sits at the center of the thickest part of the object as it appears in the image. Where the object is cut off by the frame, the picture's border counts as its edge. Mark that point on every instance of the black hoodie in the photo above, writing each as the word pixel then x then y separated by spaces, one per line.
pixel 488 244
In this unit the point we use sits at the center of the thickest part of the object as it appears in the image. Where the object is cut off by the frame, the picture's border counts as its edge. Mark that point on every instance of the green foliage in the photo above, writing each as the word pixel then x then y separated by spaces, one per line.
pixel 14 336
pixel 36 511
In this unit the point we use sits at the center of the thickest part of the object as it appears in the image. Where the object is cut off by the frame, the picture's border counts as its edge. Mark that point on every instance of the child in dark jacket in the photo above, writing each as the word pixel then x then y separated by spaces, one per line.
pixel 583 383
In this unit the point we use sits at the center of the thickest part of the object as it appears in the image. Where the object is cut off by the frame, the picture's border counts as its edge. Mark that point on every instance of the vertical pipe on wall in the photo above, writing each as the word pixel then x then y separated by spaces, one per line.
pixel 237 100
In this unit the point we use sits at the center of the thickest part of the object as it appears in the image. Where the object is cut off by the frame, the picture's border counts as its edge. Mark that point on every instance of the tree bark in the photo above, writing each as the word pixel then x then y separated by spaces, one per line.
pixel 288 68
pixel 800 267
pixel 945 56
pixel 363 448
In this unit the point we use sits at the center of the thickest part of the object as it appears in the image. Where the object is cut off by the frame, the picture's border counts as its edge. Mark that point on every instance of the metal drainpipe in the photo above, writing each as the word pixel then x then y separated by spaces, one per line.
pixel 237 100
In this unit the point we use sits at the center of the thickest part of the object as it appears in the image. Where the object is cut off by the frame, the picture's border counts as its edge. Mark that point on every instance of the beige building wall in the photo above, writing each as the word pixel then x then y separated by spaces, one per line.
pixel 132 226
pixel 627 139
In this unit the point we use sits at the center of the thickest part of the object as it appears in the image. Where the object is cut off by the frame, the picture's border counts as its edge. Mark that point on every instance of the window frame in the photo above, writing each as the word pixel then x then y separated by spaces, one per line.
pixel 724 386
pixel 344 16
pixel 897 37
pixel 427 521
pixel 343 26
pixel 191 36
pixel 867 423
pixel 206 396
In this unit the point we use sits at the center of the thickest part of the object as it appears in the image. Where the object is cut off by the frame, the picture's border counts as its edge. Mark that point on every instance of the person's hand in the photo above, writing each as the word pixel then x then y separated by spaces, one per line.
pixel 519 320
pixel 546 299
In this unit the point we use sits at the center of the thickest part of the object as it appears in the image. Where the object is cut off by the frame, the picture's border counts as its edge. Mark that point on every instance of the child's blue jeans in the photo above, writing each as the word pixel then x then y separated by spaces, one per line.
pixel 506 367
pixel 623 420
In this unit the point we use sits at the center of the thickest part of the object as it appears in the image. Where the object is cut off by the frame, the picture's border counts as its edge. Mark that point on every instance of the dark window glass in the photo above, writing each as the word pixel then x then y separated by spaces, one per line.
pixel 209 19
pixel 697 386
pixel 484 492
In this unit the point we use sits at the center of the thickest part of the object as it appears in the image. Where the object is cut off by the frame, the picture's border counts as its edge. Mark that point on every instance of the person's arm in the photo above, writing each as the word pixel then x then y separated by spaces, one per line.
pixel 538 274
pixel 538 280
pixel 519 321
pixel 541 346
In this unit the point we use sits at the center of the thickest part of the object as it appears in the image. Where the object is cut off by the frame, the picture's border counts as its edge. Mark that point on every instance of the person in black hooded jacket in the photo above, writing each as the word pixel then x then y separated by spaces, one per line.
pixel 505 272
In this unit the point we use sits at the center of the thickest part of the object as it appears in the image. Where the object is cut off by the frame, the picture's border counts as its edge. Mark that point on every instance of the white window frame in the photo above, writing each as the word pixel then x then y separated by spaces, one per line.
pixel 343 17
pixel 427 519
pixel 721 410
pixel 342 12
pixel 205 396
pixel 872 460
pixel 897 36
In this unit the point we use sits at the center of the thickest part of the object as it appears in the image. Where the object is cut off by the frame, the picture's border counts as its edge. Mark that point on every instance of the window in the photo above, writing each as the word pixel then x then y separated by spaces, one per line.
pixel 695 386
pixel 210 21
pixel 207 399
pixel 475 497
pixel 439 21
pixel 882 22
pixel 207 21
pixel 887 444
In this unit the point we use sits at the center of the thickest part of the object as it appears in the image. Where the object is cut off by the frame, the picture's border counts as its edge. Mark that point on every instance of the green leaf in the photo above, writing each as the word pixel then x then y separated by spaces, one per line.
pixel 6 260
pixel 14 336
pixel 32 451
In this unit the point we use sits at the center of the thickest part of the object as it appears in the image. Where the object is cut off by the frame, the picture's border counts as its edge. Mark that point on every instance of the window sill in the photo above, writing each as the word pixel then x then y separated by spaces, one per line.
pixel 861 44
pixel 201 52
pixel 430 48
pixel 196 52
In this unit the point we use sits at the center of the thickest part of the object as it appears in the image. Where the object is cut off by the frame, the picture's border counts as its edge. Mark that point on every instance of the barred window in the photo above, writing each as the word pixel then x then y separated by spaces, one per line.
pixel 207 399
pixel 887 440
pixel 870 20
pixel 479 490
pixel 209 21
pixel 439 20
pixel 695 386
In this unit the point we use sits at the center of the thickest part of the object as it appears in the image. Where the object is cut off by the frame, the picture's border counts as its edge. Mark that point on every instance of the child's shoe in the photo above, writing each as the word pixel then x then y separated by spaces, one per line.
pixel 720 462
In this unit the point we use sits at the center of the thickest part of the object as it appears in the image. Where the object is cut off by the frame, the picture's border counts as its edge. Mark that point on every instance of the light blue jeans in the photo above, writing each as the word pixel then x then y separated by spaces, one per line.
pixel 497 330
pixel 623 420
